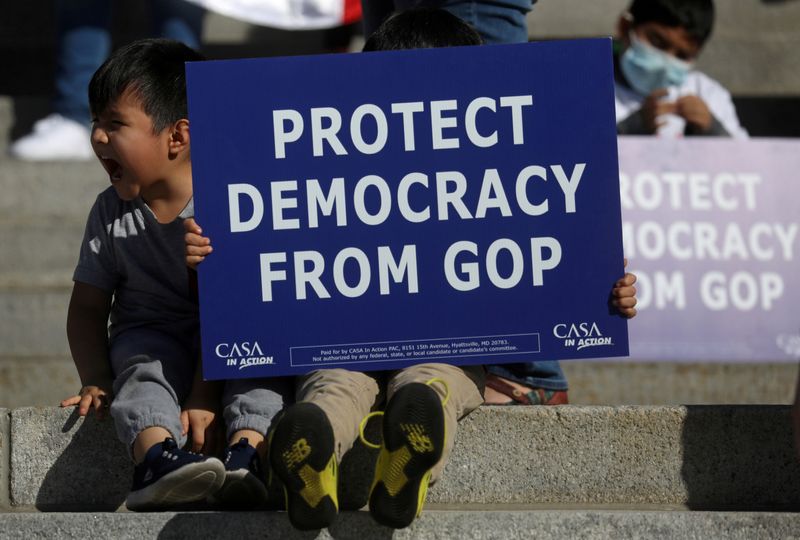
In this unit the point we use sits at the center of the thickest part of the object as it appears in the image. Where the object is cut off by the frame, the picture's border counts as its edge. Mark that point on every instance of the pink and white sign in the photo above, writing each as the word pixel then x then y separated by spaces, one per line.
pixel 711 229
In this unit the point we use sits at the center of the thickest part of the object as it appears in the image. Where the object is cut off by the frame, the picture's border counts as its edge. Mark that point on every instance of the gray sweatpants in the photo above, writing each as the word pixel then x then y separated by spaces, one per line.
pixel 153 375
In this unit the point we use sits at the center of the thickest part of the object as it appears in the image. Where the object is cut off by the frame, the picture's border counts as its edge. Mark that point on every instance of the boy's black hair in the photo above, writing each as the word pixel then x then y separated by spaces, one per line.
pixel 422 28
pixel 151 68
pixel 694 16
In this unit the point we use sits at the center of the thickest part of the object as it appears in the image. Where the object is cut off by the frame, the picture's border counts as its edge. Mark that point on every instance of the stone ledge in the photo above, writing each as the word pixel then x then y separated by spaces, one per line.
pixel 44 379
pixel 433 524
pixel 704 457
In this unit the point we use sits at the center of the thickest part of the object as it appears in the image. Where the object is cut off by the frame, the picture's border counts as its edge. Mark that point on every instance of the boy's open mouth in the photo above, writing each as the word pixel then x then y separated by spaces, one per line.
pixel 113 168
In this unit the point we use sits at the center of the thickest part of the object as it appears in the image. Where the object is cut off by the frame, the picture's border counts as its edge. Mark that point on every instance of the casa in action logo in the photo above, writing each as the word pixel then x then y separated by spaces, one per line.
pixel 243 354
pixel 581 335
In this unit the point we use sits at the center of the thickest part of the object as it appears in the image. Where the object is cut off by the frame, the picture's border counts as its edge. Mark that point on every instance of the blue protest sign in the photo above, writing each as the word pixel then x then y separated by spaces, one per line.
pixel 376 210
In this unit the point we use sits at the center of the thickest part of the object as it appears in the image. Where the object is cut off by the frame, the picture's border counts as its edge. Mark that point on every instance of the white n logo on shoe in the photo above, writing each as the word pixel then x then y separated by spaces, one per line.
pixel 299 451
pixel 417 438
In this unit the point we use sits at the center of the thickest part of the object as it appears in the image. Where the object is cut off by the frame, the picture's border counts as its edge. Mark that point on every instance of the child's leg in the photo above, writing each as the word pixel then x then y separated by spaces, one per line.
pixel 310 438
pixel 419 424
pixel 249 405
pixel 146 439
pixel 465 385
pixel 345 396
pixel 153 375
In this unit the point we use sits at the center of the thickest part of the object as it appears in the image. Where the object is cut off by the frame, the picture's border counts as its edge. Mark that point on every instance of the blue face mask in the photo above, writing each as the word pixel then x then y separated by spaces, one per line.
pixel 647 68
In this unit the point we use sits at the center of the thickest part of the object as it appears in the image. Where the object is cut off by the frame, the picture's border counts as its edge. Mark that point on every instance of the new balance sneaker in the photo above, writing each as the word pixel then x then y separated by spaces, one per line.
pixel 244 487
pixel 54 138
pixel 170 476
pixel 302 455
pixel 413 442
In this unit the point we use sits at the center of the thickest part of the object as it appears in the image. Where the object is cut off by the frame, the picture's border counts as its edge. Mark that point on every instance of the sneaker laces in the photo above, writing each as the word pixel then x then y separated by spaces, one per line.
pixel 168 455
pixel 362 426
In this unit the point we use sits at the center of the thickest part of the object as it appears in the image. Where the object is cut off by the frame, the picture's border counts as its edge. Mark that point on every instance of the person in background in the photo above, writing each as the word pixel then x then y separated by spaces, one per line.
pixel 501 21
pixel 658 90
pixel 530 383
pixel 420 405
pixel 84 41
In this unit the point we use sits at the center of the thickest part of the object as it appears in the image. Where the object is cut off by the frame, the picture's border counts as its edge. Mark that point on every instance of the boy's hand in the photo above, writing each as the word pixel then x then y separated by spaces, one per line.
pixel 199 412
pixel 695 111
pixel 197 246
pixel 89 398
pixel 654 107
pixel 623 295
pixel 199 421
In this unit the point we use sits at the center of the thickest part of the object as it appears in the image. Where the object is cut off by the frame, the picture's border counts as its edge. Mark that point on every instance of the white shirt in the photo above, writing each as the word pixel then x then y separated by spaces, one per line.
pixel 718 100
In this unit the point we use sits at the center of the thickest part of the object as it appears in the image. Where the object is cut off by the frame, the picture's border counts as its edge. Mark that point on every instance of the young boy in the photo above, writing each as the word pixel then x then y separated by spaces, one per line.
pixel 423 402
pixel 658 91
pixel 131 269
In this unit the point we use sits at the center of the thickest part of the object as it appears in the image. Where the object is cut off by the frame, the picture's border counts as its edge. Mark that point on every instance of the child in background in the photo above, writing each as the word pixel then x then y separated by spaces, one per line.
pixel 131 270
pixel 423 402
pixel 658 91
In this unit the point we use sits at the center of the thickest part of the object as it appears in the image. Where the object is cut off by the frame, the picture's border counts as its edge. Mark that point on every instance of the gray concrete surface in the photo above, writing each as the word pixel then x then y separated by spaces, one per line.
pixel 5 458
pixel 41 380
pixel 445 525
pixel 34 247
pixel 628 382
pixel 49 190
pixel 28 381
pixel 703 457
pixel 32 322
pixel 57 459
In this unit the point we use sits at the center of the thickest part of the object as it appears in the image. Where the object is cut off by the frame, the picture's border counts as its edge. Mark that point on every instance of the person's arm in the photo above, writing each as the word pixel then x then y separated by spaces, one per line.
pixel 200 409
pixel 87 332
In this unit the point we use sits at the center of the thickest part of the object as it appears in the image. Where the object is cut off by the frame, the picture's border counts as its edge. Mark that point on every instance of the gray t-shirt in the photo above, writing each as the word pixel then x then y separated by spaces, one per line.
pixel 128 253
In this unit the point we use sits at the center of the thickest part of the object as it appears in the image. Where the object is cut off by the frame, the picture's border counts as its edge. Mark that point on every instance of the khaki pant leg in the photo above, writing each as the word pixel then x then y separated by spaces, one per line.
pixel 345 396
pixel 464 397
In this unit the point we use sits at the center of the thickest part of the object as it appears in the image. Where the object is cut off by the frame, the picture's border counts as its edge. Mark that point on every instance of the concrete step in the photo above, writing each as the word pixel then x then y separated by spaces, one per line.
pixel 47 191
pixel 702 457
pixel 433 524
pixel 628 382
pixel 32 321
pixel 31 380
pixel 35 251
pixel 27 381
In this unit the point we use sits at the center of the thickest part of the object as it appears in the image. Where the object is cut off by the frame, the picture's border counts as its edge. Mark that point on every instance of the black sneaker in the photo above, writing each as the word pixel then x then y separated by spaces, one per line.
pixel 413 442
pixel 244 487
pixel 302 455
pixel 170 476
